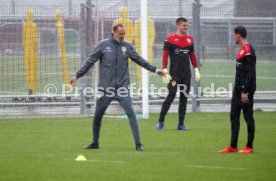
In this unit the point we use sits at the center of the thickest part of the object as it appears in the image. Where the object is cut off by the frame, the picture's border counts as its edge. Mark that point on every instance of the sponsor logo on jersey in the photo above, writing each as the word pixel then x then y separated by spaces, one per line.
pixel 108 49
pixel 181 52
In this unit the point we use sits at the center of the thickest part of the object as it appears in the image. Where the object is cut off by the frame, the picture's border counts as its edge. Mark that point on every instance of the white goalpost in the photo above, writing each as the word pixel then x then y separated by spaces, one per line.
pixel 144 44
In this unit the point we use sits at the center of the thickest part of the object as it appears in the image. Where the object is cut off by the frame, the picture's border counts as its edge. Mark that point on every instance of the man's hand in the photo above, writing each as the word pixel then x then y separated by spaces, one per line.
pixel 161 73
pixel 244 98
pixel 166 78
pixel 73 80
pixel 197 75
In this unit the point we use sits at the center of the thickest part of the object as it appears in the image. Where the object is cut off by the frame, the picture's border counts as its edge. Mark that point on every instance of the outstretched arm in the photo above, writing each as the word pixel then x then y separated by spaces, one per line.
pixel 89 62
pixel 143 63
pixel 140 61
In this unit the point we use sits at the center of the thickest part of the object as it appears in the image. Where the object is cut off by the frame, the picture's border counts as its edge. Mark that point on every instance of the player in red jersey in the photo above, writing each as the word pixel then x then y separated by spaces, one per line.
pixel 244 89
pixel 179 47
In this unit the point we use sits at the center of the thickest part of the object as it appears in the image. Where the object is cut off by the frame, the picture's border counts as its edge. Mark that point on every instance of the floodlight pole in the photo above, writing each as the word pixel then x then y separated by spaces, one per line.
pixel 196 34
pixel 13 7
pixel 86 44
pixel 70 8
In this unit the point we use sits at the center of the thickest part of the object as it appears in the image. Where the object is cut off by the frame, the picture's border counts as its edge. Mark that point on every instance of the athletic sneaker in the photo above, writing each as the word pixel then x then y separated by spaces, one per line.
pixel 246 150
pixel 160 125
pixel 93 146
pixel 182 128
pixel 139 147
pixel 229 149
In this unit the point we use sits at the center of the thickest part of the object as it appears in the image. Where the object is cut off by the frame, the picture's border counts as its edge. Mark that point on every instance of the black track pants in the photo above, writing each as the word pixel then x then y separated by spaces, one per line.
pixel 236 107
pixel 184 88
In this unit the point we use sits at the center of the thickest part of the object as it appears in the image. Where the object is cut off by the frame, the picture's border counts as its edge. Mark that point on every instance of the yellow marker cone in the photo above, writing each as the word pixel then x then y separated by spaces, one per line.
pixel 80 158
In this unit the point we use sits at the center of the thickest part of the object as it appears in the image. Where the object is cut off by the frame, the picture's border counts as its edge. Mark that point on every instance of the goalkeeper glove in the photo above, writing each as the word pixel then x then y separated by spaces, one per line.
pixel 166 78
pixel 197 75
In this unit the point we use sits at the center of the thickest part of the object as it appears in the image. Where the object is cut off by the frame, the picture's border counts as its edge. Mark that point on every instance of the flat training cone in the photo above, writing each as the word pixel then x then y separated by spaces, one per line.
pixel 80 158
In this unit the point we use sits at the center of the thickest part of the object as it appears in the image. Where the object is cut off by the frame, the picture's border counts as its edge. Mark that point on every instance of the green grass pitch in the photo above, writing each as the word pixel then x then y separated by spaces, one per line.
pixel 45 149
pixel 217 72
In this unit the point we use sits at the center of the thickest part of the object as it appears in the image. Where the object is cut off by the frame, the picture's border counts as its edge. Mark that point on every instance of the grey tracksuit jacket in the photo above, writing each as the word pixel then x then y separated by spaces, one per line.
pixel 113 56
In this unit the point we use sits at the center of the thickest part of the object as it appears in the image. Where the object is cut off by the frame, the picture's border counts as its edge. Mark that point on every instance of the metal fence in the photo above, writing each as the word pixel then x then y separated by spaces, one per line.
pixel 86 24
pixel 15 98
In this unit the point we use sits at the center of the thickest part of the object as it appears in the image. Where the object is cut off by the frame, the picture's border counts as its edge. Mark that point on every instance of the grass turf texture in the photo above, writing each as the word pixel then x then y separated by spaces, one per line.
pixel 45 149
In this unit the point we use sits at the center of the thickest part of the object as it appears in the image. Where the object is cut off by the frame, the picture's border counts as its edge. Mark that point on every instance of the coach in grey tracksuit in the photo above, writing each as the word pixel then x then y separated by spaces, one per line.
pixel 113 54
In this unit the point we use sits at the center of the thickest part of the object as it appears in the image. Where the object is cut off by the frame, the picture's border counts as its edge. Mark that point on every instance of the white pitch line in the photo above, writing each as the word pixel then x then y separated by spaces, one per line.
pixel 106 161
pixel 10 92
pixel 219 76
pixel 39 131
pixel 138 153
pixel 212 167
pixel 154 154
pixel 230 76
pixel 101 161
